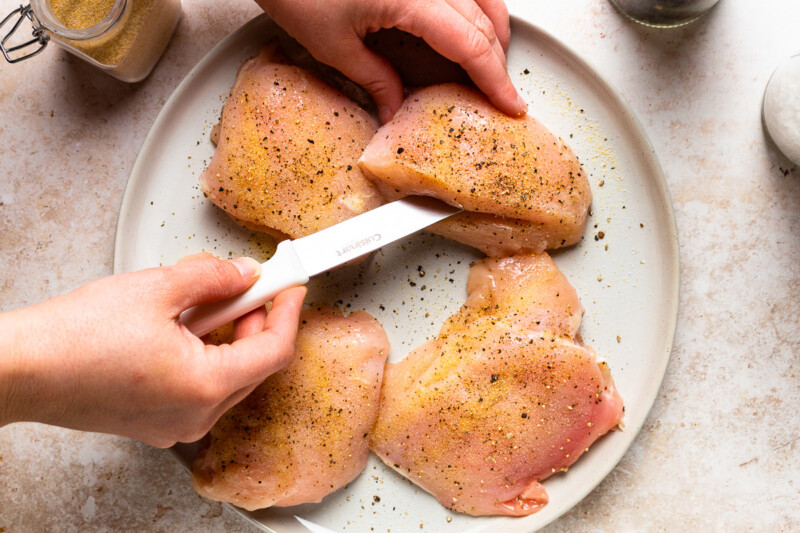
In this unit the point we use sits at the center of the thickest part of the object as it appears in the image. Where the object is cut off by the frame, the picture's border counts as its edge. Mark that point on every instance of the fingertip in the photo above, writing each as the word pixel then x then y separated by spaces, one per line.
pixel 509 101
pixel 523 106
pixel 293 296
pixel 300 292
pixel 388 96
pixel 385 114
pixel 284 316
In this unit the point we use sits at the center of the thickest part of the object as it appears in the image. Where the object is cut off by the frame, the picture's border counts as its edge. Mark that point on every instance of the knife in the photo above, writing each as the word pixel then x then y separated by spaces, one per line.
pixel 295 261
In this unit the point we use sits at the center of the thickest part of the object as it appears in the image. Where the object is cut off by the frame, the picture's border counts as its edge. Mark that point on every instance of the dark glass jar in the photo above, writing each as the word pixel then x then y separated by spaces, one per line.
pixel 664 13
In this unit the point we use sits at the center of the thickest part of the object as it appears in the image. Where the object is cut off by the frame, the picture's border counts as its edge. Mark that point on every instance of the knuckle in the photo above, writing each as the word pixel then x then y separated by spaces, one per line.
pixel 333 48
pixel 161 442
pixel 201 425
pixel 327 55
pixel 406 14
pixel 207 395
pixel 218 270
pixel 157 285
pixel 199 388
pixel 497 9
pixel 390 13
pixel 161 282
pixel 190 427
pixel 195 433
pixel 376 86
pixel 188 369
pixel 478 46
pixel 484 25
pixel 281 360
pixel 161 276
pixel 284 353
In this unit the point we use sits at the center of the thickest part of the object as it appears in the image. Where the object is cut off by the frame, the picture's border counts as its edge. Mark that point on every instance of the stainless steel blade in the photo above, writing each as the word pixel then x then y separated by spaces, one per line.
pixel 367 232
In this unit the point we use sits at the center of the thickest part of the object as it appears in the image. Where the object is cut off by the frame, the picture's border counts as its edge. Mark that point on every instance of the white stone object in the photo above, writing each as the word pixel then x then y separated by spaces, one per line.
pixel 782 108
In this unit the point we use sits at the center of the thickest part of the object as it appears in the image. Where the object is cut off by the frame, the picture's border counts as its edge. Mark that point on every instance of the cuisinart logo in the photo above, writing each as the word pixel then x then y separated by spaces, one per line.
pixel 358 244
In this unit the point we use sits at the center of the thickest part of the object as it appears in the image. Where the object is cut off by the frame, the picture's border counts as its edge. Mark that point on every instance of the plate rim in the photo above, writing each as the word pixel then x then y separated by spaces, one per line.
pixel 673 243
pixel 657 178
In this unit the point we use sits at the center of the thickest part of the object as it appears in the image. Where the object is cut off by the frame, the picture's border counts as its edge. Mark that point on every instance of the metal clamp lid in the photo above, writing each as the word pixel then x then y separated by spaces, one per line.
pixel 39 41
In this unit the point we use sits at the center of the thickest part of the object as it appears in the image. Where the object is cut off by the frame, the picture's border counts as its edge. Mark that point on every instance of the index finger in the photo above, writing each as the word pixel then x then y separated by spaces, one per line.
pixel 453 36
pixel 251 359
pixel 470 10
pixel 497 12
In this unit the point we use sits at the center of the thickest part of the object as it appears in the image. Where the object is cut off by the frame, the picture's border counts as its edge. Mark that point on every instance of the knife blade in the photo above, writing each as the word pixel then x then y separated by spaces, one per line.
pixel 295 261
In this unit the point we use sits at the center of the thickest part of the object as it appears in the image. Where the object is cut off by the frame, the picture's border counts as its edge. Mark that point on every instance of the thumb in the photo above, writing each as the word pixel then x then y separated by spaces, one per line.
pixel 204 278
pixel 371 71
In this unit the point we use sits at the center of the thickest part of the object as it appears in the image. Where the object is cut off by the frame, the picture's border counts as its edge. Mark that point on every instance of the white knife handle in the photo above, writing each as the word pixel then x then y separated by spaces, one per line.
pixel 283 270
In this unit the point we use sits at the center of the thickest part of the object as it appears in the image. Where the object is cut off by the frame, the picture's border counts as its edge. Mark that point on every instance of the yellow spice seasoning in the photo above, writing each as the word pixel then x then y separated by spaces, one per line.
pixel 122 37
pixel 80 14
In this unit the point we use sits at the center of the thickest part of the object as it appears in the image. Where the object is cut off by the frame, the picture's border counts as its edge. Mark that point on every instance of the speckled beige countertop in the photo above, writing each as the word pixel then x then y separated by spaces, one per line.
pixel 721 448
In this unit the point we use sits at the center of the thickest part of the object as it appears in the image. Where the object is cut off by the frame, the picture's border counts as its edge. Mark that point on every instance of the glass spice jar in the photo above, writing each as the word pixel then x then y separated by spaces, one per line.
pixel 664 13
pixel 124 38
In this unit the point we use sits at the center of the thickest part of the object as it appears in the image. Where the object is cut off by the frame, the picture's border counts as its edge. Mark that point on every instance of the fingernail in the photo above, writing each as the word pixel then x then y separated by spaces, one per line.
pixel 522 104
pixel 248 267
pixel 384 114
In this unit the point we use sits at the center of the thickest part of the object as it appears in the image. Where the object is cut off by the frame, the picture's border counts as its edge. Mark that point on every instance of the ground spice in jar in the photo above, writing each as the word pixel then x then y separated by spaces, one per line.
pixel 80 14
pixel 133 45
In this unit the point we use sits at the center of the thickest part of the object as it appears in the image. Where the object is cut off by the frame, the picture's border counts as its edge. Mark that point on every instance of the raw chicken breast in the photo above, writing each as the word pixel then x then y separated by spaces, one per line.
pixel 503 398
pixel 301 434
pixel 287 149
pixel 523 188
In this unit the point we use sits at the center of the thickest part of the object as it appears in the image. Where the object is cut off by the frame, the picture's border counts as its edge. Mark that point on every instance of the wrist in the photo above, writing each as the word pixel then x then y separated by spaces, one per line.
pixel 22 337
pixel 11 372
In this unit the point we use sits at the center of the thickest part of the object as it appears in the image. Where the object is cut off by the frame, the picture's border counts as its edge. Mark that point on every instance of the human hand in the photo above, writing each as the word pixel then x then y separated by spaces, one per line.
pixel 113 357
pixel 473 33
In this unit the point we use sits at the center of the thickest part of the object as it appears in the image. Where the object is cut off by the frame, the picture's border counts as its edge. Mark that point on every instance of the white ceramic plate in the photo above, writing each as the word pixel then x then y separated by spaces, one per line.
pixel 628 280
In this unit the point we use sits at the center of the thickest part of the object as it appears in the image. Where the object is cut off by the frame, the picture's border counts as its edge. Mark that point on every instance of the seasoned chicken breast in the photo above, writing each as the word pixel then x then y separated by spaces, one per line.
pixel 287 150
pixel 503 398
pixel 302 434
pixel 523 188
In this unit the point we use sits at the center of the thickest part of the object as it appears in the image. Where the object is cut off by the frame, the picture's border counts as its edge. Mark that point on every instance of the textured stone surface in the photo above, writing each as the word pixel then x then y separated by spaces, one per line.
pixel 721 448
